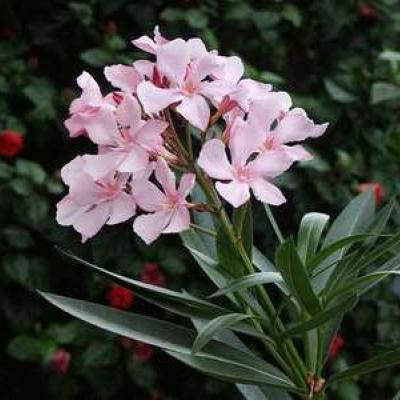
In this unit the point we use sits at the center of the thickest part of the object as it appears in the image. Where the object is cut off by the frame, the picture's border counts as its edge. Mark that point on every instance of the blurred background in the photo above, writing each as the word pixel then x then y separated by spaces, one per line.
pixel 339 59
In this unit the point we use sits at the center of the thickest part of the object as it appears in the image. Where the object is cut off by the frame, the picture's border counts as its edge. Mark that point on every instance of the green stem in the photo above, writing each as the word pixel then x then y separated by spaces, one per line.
pixel 203 230
pixel 288 348
pixel 274 224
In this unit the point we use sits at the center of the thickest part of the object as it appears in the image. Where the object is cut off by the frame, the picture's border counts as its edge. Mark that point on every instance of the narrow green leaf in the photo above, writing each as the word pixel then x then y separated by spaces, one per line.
pixel 173 301
pixel 296 276
pixel 311 227
pixel 247 281
pixel 363 283
pixel 353 220
pixel 232 372
pixel 323 317
pixel 177 341
pixel 376 363
pixel 213 327
pixel 327 252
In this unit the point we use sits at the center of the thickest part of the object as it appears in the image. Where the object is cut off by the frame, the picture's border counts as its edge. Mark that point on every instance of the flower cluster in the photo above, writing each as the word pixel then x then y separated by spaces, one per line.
pixel 137 130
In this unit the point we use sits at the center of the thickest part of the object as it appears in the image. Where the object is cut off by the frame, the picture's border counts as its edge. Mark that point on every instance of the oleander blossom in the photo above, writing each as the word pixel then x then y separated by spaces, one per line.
pixel 147 130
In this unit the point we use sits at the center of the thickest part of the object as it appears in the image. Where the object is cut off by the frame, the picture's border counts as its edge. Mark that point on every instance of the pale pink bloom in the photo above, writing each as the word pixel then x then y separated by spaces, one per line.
pixel 168 208
pixel 283 126
pixel 149 45
pixel 246 169
pixel 90 203
pixel 127 142
pixel 86 108
pixel 124 77
pixel 187 85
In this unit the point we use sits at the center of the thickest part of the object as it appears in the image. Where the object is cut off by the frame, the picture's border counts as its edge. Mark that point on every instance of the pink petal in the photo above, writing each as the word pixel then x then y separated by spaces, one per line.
pixel 75 125
pixel 296 126
pixel 146 44
pixel 165 177
pixel 124 77
pixel 129 113
pixel 213 160
pixel 155 99
pixel 297 153
pixel 232 69
pixel 102 128
pixel 249 90
pixel 246 138
pixel 90 223
pixel 148 196
pixel 267 192
pixel 186 185
pixel 122 208
pixel 135 161
pixel 149 135
pixel 71 172
pixel 91 94
pixel 149 227
pixel 216 90
pixel 196 110
pixel 145 68
pixel 266 110
pixel 180 220
pixel 236 193
pixel 100 165
pixel 173 59
pixel 68 211
pixel 270 163
pixel 197 48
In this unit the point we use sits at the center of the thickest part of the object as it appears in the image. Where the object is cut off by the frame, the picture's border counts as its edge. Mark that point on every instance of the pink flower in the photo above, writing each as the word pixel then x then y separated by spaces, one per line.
pixel 283 126
pixel 168 208
pixel 188 86
pixel 151 274
pixel 92 203
pixel 60 361
pixel 243 172
pixel 87 107
pixel 127 142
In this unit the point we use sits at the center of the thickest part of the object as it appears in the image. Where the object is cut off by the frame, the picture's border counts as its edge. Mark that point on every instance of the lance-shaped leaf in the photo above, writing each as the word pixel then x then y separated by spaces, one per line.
pixel 248 281
pixel 296 276
pixel 320 259
pixel 364 283
pixel 175 302
pixel 213 327
pixel 177 340
pixel 311 227
pixel 323 317
pixel 353 220
pixel 376 363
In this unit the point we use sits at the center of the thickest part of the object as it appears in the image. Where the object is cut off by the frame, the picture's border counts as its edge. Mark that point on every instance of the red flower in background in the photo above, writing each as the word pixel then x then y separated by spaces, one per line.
pixel 336 345
pixel 143 352
pixel 60 361
pixel 156 395
pixel 11 143
pixel 152 274
pixel 376 188
pixel 110 28
pixel 367 12
pixel 120 297
pixel 126 343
